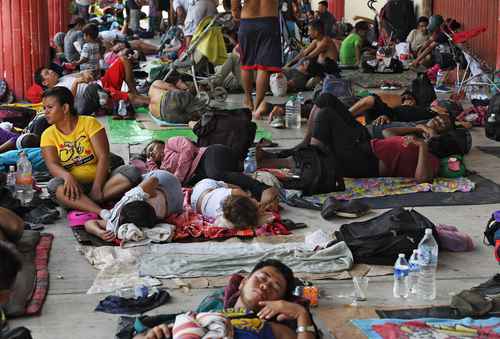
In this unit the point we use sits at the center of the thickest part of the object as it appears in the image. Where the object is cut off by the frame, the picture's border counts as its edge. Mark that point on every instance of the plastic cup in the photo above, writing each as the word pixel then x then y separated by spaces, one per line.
pixel 360 288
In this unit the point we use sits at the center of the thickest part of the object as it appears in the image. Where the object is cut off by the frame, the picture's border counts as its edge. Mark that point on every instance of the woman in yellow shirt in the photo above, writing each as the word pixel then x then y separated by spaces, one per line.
pixel 76 152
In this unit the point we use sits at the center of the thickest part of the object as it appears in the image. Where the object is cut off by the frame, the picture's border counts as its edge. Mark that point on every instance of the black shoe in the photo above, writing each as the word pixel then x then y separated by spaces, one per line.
pixel 343 209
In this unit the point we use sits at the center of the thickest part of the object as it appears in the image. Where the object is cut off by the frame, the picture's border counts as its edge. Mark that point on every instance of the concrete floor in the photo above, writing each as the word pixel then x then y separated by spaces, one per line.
pixel 68 312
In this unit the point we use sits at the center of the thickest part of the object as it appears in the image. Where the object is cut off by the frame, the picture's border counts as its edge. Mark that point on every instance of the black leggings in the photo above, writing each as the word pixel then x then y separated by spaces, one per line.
pixel 349 141
pixel 220 163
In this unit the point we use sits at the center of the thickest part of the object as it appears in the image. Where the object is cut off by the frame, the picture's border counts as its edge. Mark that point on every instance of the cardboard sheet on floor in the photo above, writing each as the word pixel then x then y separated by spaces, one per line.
pixel 144 129
pixel 336 321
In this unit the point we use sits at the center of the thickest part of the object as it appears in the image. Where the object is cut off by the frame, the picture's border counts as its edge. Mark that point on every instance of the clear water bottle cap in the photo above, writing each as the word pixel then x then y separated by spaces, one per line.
pixel 428 231
pixel 401 255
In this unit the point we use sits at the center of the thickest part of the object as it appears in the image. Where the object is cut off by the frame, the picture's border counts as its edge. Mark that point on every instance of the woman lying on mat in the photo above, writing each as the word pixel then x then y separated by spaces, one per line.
pixel 157 196
pixel 334 128
pixel 76 152
pixel 229 205
pixel 190 164
pixel 173 102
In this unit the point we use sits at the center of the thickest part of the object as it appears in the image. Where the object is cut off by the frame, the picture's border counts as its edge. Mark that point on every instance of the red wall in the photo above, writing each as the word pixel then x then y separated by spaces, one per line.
pixel 473 13
pixel 336 7
pixel 24 42
pixel 59 16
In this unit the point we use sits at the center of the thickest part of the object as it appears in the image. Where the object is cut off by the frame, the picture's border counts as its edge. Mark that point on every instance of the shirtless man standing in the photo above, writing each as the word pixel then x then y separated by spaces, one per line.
pixel 260 42
pixel 322 50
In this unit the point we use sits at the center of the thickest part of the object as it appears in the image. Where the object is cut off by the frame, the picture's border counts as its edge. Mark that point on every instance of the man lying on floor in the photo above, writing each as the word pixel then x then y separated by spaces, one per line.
pixel 90 95
pixel 262 306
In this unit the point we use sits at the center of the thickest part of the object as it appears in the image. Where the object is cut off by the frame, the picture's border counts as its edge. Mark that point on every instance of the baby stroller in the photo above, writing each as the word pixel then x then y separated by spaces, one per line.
pixel 187 62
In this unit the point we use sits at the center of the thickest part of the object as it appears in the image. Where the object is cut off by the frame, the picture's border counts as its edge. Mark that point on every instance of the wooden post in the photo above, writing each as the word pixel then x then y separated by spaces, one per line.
pixel 426 8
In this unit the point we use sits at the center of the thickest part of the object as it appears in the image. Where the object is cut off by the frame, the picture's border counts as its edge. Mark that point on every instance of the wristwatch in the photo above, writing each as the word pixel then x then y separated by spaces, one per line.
pixel 304 329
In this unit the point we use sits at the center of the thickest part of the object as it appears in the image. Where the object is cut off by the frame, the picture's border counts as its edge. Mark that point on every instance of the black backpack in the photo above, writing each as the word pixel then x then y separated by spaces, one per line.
pixel 378 241
pixel 492 227
pixel 315 172
pixel 233 128
pixel 398 18
pixel 423 90
pixel 492 125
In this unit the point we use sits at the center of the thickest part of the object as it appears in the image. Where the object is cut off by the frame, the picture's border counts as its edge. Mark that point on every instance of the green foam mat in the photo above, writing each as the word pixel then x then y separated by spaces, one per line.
pixel 129 132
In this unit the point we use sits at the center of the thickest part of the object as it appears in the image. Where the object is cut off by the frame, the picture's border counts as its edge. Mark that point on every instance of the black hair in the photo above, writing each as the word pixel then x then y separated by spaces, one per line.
pixel 78 21
pixel 285 271
pixel 423 19
pixel 453 24
pixel 140 213
pixel 38 77
pixel 63 96
pixel 10 264
pixel 362 26
pixel 92 30
pixel 30 140
pixel 454 142
pixel 324 3
pixel 318 26
pixel 144 154
pixel 241 211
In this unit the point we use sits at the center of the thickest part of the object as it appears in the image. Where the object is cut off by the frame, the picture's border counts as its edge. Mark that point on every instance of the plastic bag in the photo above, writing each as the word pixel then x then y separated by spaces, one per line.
pixel 278 84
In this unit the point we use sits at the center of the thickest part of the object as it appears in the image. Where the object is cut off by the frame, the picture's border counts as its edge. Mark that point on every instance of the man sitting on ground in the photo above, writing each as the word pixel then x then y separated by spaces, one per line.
pixel 350 49
pixel 322 50
pixel 267 293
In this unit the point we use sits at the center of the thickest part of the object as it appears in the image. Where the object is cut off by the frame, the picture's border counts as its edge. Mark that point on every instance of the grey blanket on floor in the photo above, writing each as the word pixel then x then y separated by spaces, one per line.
pixel 214 259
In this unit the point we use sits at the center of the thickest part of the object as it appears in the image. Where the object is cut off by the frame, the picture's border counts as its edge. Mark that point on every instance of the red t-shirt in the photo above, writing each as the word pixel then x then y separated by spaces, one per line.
pixel 399 157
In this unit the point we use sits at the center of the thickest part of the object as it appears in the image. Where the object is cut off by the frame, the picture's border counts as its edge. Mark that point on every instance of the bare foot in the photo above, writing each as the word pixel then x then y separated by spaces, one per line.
pixel 248 102
pixel 106 235
pixel 276 112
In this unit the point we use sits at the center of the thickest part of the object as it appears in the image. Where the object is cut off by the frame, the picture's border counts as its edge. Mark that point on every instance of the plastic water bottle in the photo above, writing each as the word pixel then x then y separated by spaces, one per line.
pixel 24 180
pixel 401 271
pixel 414 270
pixel 292 112
pixel 11 179
pixel 428 259
pixel 440 78
pixel 250 161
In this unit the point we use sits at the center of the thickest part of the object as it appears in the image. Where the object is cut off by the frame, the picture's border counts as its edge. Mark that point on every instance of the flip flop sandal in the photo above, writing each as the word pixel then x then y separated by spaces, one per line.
pixel 263 142
pixel 79 218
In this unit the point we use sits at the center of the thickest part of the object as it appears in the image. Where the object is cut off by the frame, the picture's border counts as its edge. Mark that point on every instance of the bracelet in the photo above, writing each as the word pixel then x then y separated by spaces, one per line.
pixel 304 329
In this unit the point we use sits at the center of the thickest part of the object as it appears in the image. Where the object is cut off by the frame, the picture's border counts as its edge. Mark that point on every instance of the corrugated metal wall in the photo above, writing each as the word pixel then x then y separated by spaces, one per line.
pixel 24 41
pixel 337 7
pixel 59 16
pixel 473 13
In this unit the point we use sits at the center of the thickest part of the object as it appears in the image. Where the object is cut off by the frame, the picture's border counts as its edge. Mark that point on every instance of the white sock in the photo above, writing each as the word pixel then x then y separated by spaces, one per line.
pixel 105 214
